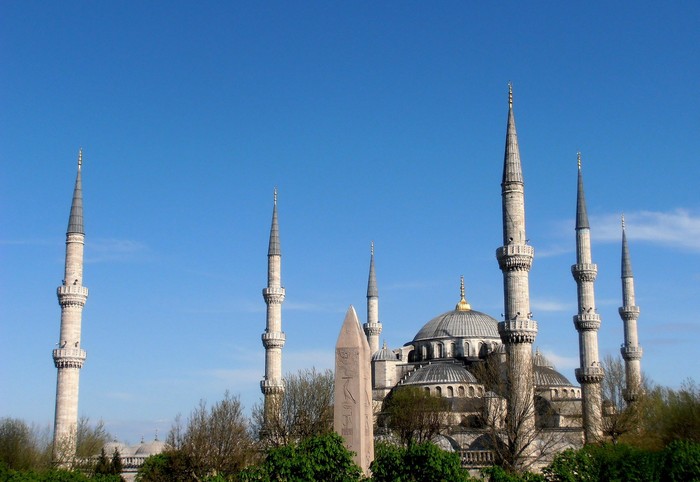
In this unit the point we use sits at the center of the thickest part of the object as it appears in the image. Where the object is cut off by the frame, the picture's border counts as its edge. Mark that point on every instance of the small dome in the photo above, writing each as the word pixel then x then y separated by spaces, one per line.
pixel 110 447
pixel 384 354
pixel 539 360
pixel 440 373
pixel 153 447
pixel 459 324
pixel 546 376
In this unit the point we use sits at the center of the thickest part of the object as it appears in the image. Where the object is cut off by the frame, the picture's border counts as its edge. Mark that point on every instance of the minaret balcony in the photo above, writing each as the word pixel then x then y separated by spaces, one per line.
pixel 273 339
pixel 271 386
pixel 587 321
pixel 628 312
pixel 273 295
pixel 592 374
pixel 585 272
pixel 518 330
pixel 74 295
pixel 631 352
pixel 69 357
pixel 372 329
pixel 515 257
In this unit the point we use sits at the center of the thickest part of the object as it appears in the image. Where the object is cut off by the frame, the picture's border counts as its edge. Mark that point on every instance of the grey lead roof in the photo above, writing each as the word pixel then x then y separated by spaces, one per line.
pixel 75 221
pixel 274 247
pixel 581 212
pixel 512 169
pixel 372 290
pixel 626 261
pixel 440 373
pixel 459 324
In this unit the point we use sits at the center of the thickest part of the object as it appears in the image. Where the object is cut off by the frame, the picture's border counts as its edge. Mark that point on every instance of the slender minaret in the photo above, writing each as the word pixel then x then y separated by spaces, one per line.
pixel 629 312
pixel 69 356
pixel 273 338
pixel 587 322
pixel 518 330
pixel 373 328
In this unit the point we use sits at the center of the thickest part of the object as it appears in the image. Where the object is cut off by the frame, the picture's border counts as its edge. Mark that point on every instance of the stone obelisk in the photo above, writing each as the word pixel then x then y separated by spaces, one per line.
pixel 352 413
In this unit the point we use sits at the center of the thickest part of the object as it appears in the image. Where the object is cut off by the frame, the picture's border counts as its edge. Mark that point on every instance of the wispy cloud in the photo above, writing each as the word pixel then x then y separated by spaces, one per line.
pixel 551 306
pixel 554 250
pixel 102 250
pixel 561 362
pixel 677 229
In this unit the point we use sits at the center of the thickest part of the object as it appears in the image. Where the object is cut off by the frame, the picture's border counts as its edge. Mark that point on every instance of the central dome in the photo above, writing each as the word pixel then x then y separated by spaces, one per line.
pixel 459 324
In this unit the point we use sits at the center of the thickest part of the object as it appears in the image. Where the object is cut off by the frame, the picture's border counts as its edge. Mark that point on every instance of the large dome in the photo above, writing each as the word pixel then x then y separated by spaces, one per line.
pixel 459 324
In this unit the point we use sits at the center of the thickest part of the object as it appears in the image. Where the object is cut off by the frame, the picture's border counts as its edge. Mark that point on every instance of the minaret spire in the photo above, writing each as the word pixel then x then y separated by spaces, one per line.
pixel 273 338
pixel 69 356
pixel 587 322
pixel 631 350
pixel 518 330
pixel 373 327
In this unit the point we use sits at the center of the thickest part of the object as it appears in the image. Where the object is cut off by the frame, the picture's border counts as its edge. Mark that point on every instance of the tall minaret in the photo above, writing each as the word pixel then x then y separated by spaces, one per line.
pixel 69 357
pixel 373 328
pixel 273 338
pixel 629 312
pixel 587 322
pixel 518 330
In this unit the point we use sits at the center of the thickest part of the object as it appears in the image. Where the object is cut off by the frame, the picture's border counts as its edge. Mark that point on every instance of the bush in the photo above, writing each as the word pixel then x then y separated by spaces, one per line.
pixel 423 462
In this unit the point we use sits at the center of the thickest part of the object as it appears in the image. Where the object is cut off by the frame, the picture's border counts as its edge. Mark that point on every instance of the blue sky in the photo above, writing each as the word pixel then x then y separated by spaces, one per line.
pixel 381 122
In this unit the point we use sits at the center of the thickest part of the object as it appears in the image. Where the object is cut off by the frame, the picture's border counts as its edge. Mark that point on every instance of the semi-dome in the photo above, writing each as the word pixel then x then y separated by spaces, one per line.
pixel 462 322
pixel 440 373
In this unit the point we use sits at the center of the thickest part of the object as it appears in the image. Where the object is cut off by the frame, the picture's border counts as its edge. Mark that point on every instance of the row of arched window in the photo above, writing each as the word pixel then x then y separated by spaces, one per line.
pixel 462 392
pixel 435 350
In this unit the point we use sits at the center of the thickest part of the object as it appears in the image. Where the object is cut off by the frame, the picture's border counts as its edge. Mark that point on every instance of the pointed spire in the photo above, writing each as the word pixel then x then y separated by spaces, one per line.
pixel 626 262
pixel 372 290
pixel 512 169
pixel 75 221
pixel 581 212
pixel 274 247
pixel 462 305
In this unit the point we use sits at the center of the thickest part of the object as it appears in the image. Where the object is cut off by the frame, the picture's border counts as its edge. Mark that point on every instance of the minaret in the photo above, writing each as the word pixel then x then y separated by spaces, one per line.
pixel 587 322
pixel 373 328
pixel 629 312
pixel 69 356
pixel 518 330
pixel 273 338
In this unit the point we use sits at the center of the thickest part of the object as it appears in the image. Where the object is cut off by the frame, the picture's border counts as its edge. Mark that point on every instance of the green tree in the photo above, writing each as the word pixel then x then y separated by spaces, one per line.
pixel 321 457
pixel 103 466
pixel 23 447
pixel 419 462
pixel 413 415
pixel 169 466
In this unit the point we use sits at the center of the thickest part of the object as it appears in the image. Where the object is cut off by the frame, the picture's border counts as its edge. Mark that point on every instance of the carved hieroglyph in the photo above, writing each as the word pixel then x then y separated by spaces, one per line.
pixel 352 413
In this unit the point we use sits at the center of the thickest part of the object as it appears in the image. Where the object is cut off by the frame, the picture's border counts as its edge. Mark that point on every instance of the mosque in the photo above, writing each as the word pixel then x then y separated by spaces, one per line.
pixel 447 356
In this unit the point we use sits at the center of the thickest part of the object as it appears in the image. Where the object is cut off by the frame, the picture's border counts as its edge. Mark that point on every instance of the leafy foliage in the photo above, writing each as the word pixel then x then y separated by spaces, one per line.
pixel 23 447
pixel 51 475
pixel 424 462
pixel 322 457
pixel 173 465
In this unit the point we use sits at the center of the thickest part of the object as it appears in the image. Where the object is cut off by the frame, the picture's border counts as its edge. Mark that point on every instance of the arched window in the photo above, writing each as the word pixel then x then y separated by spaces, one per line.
pixel 466 349
pixel 450 392
pixel 438 391
pixel 427 390
pixel 556 393
pixel 453 350
pixel 471 391
pixel 439 351
pixel 460 390
pixel 480 391
pixel 423 352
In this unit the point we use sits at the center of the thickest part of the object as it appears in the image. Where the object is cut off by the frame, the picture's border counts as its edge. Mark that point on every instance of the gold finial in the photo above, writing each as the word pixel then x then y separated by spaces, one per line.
pixel 80 157
pixel 578 156
pixel 371 248
pixel 510 94
pixel 462 305
pixel 275 196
